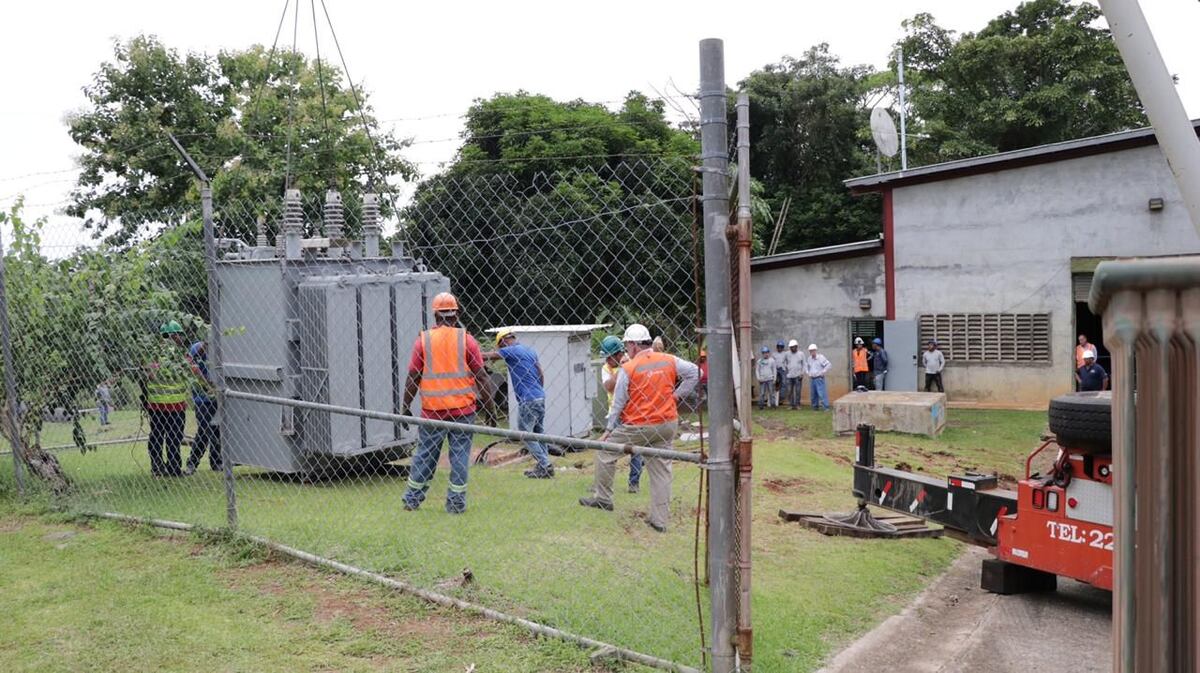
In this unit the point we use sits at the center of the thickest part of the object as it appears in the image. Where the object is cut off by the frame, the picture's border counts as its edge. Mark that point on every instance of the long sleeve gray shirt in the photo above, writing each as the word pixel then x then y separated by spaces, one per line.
pixel 687 376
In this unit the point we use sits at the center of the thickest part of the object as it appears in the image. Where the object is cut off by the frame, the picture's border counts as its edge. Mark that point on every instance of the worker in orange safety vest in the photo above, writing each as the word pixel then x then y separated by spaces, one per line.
pixel 644 413
pixel 861 357
pixel 446 368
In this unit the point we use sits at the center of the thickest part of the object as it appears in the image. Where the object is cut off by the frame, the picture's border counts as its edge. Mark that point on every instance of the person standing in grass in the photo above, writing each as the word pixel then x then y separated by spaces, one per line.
pixel 613 351
pixel 644 413
pixel 527 380
pixel 793 364
pixel 446 367
pixel 765 373
pixel 166 386
pixel 204 402
pixel 103 401
pixel 816 366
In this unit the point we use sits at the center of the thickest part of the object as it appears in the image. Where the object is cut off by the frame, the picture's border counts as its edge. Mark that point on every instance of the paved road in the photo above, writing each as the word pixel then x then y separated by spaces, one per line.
pixel 956 627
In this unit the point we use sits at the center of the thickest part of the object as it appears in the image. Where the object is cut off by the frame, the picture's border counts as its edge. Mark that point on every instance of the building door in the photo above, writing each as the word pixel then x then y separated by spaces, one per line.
pixel 1086 322
pixel 865 329
pixel 900 340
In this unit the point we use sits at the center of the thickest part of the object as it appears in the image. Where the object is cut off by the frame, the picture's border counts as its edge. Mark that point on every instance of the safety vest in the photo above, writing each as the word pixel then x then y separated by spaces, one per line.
pixel 652 382
pixel 860 360
pixel 446 382
pixel 169 382
pixel 1079 351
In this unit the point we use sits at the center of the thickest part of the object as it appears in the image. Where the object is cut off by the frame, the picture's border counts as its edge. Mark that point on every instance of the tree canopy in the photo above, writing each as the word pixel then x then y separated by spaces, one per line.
pixel 255 121
pixel 1044 72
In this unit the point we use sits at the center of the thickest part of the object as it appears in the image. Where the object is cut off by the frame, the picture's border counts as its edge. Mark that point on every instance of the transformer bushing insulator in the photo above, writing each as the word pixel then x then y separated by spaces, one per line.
pixel 334 216
pixel 372 224
pixel 260 232
pixel 292 227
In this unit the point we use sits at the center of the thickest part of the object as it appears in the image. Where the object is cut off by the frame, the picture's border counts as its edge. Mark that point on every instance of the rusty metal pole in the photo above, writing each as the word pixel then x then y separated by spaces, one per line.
pixel 745 451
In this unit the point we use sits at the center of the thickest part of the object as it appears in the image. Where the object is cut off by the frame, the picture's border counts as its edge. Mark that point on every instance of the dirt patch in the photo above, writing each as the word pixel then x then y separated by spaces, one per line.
pixel 335 599
pixel 787 486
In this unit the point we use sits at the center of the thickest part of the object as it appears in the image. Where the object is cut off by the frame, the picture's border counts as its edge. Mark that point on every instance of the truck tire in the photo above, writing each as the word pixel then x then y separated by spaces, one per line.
pixel 1083 420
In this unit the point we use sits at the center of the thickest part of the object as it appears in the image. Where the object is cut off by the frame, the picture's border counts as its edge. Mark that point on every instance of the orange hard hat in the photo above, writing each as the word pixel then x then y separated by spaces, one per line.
pixel 445 302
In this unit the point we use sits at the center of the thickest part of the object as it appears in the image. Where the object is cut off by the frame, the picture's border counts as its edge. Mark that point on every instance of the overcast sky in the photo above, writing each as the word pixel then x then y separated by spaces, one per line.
pixel 424 62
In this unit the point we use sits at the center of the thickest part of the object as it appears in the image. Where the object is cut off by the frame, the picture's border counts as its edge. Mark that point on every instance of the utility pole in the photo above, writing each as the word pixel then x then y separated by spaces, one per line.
pixel 714 155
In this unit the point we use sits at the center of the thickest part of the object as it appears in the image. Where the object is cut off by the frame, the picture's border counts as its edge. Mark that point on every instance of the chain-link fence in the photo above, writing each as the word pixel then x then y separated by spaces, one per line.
pixel 330 402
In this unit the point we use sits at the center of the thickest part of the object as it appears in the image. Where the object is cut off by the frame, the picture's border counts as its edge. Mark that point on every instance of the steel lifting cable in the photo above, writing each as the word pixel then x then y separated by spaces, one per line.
pixel 320 78
pixel 291 126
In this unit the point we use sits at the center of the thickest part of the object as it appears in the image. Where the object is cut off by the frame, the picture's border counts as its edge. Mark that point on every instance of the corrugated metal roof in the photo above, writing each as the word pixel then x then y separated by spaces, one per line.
pixel 552 328
pixel 1068 149
pixel 813 255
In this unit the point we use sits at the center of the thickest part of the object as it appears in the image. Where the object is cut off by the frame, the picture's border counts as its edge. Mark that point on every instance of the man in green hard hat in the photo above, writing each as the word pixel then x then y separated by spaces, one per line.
pixel 166 394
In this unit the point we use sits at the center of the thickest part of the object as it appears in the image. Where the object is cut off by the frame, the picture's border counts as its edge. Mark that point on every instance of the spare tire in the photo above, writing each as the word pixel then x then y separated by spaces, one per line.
pixel 1083 421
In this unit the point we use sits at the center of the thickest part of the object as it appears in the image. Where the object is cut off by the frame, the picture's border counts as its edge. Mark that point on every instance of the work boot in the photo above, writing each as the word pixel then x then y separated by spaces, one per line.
pixel 539 472
pixel 633 487
pixel 597 503
pixel 657 528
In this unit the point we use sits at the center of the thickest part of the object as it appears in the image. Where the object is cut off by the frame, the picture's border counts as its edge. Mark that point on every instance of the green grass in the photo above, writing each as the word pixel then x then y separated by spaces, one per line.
pixel 534 551
pixel 104 597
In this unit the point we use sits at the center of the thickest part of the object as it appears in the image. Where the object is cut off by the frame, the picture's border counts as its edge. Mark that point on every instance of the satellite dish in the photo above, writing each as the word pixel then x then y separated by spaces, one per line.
pixel 883 129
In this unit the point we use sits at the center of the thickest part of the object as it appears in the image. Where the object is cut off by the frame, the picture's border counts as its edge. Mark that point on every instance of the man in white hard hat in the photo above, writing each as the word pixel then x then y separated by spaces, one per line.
pixel 816 366
pixel 793 365
pixel 644 413
pixel 1091 375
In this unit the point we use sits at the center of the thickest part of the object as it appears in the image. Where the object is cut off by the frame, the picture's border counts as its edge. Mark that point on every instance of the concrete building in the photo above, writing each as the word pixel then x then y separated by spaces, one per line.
pixel 992 256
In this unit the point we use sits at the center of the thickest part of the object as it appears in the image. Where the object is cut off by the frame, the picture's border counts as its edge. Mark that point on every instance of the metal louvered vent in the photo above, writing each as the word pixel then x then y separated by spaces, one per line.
pixel 989 337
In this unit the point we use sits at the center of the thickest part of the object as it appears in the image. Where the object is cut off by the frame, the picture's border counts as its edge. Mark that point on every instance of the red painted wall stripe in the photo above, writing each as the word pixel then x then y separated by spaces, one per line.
pixel 889 255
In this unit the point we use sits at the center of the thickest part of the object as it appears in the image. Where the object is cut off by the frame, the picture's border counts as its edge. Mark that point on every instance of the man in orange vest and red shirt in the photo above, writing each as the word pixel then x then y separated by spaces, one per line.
pixel 447 369
pixel 644 413
pixel 862 368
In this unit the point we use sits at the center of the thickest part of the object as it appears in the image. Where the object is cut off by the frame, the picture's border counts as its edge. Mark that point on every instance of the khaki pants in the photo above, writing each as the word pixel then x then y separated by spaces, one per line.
pixel 656 436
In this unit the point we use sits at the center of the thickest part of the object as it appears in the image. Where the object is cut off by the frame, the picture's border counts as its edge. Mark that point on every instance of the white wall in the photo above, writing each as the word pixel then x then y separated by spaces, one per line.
pixel 813 303
pixel 1003 242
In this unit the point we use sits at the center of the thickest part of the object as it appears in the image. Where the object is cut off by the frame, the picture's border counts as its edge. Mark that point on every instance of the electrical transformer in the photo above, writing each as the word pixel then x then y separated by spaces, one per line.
pixel 322 320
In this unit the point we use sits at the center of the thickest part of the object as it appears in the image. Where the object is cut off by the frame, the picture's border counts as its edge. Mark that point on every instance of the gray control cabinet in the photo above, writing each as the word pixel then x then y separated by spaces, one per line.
pixel 330 330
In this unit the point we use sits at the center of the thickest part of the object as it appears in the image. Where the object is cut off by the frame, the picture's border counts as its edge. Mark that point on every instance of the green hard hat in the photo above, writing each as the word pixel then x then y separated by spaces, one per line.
pixel 611 346
pixel 170 327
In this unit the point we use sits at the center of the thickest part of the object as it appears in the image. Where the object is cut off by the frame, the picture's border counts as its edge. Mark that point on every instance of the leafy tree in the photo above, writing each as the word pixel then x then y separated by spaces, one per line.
pixel 78 320
pixel 549 210
pixel 806 117
pixel 1045 72
pixel 255 124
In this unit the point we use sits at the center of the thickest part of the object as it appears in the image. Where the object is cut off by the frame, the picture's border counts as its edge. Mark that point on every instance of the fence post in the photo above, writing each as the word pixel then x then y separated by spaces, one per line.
pixel 215 366
pixel 213 346
pixel 745 451
pixel 714 155
pixel 10 383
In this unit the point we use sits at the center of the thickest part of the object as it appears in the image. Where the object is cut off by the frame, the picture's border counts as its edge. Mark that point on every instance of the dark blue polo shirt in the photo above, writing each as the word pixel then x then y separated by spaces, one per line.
pixel 1091 377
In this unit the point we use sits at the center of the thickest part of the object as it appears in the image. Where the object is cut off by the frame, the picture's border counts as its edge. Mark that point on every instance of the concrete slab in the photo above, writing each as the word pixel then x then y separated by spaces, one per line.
pixel 891 411
pixel 956 627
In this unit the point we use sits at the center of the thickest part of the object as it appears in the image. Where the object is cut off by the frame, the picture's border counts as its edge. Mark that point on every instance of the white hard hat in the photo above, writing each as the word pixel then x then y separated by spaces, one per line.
pixel 858 341
pixel 636 333
pixel 793 344
pixel 812 347
pixel 1089 354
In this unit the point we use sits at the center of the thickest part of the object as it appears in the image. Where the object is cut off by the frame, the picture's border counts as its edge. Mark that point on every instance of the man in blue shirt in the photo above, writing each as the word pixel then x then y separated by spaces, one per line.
pixel 1091 375
pixel 525 377
pixel 205 402
pixel 879 363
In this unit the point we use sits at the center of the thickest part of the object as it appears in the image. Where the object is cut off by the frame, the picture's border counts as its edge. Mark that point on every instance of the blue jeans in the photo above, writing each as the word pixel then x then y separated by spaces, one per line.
pixel 794 392
pixel 207 437
pixel 635 469
pixel 530 415
pixel 424 465
pixel 820 399
pixel 766 394
pixel 102 408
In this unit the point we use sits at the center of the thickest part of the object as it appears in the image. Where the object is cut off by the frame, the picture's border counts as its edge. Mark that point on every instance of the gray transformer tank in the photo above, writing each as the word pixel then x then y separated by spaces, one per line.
pixel 318 320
